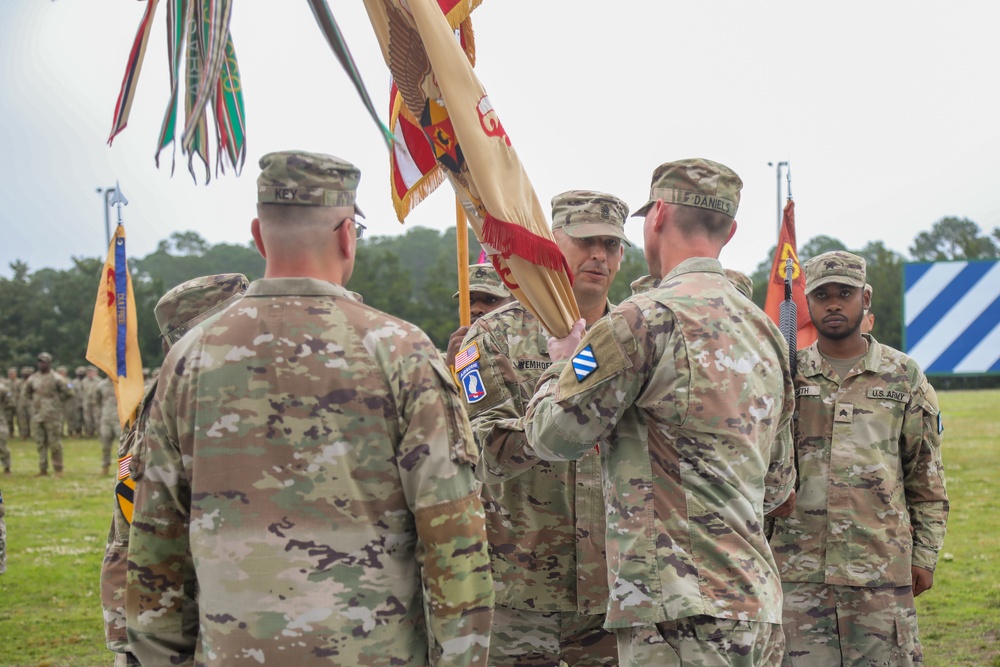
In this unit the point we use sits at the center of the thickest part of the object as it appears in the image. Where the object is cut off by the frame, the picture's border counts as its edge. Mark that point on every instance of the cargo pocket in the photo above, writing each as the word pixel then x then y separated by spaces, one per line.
pixel 907 649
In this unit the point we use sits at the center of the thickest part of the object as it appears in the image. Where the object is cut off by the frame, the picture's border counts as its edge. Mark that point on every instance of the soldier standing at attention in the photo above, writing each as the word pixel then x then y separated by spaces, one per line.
pixel 24 405
pixel 177 312
pixel 6 400
pixel 486 293
pixel 10 412
pixel 863 538
pixel 308 466
pixel 46 392
pixel 91 412
pixel 545 520
pixel 687 388
pixel 109 425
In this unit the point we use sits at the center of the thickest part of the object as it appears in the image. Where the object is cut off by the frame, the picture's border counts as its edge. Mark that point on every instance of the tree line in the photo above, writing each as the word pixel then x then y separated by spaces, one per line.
pixel 412 276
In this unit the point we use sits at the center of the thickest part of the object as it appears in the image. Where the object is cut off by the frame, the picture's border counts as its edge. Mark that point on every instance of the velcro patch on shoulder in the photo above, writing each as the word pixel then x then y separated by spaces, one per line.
pixel 466 356
pixel 472 382
pixel 881 393
pixel 125 496
pixel 601 357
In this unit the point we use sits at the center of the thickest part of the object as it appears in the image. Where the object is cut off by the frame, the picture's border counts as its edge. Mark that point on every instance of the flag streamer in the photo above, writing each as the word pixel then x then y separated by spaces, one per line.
pixel 123 107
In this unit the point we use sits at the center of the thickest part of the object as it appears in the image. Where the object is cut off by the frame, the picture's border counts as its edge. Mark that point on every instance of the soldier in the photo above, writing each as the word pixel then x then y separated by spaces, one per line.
pixel 687 387
pixel 6 400
pixel 308 465
pixel 109 425
pixel 10 412
pixel 24 405
pixel 91 412
pixel 544 520
pixel 486 294
pixel 76 405
pixel 46 391
pixel 177 312
pixel 863 538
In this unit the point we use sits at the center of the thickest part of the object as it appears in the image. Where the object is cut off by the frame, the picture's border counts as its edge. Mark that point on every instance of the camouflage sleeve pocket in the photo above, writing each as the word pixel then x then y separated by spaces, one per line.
pixel 601 356
pixel 458 432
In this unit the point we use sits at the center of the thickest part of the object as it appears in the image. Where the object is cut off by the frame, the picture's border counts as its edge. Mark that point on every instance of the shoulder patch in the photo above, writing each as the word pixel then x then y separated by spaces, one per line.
pixel 125 497
pixel 584 363
pixel 811 390
pixel 602 357
pixel 940 424
pixel 466 356
pixel 472 382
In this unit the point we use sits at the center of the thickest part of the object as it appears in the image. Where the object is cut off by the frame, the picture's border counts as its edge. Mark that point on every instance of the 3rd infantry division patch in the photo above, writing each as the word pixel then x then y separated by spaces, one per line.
pixel 584 363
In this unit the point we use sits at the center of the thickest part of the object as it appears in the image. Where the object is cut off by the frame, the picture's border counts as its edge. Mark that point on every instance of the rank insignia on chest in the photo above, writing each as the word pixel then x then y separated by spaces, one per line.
pixel 472 382
pixel 584 363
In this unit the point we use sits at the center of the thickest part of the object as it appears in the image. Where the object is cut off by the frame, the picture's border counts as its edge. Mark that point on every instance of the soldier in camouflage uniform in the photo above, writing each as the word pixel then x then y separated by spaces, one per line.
pixel 109 425
pixel 76 404
pixel 10 412
pixel 545 520
pixel 308 465
pixel 863 538
pixel 24 405
pixel 6 400
pixel 46 391
pixel 91 412
pixel 687 386
pixel 486 293
pixel 177 312
pixel 740 281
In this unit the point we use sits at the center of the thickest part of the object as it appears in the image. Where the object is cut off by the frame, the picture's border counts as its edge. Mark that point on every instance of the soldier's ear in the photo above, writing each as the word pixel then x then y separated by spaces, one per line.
pixel 257 240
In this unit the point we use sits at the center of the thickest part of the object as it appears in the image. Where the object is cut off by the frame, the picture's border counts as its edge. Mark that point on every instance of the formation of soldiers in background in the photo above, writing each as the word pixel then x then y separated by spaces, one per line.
pixel 81 405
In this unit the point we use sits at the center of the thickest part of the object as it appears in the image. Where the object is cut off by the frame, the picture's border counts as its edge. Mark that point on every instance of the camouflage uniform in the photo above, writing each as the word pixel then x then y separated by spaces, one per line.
pixel 91 412
pixel 109 426
pixel 6 400
pixel 545 520
pixel 308 464
pixel 10 411
pixel 76 404
pixel 868 449
pixel 688 384
pixel 23 404
pixel 46 393
pixel 176 313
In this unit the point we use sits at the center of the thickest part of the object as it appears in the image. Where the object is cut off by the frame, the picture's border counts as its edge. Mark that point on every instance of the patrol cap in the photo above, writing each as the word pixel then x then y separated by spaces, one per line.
pixel 307 179
pixel 79 370
pixel 740 281
pixel 585 213
pixel 45 356
pixel 484 278
pixel 12 369
pixel 695 182
pixel 194 300
pixel 837 266
pixel 27 370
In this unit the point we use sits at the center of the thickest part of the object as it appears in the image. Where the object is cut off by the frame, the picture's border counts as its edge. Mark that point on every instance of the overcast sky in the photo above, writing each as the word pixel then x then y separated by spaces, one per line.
pixel 886 111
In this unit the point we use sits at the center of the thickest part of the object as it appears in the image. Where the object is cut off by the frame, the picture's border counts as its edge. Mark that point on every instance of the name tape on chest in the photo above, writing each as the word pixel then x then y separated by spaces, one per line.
pixel 888 394
pixel 811 390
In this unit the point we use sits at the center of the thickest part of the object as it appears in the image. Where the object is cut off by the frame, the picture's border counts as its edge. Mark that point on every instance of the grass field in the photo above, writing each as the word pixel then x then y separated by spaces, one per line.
pixel 50 611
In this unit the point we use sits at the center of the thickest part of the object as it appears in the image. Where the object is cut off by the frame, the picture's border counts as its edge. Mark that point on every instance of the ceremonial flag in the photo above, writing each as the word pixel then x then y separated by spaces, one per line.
pixel 132 68
pixel 440 88
pixel 414 170
pixel 114 342
pixel 787 248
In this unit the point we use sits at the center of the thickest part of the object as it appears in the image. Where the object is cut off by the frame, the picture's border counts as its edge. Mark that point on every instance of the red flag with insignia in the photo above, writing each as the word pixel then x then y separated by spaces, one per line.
pixel 787 248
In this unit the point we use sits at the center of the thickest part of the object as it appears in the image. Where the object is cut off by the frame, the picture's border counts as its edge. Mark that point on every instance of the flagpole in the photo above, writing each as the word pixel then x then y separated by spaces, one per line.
pixel 462 240
pixel 778 176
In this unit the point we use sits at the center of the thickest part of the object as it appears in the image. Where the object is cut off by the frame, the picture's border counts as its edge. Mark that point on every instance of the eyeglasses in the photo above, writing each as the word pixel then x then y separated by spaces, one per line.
pixel 357 225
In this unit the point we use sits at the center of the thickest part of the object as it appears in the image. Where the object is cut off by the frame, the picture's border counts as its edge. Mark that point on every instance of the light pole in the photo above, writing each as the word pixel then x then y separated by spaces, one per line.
pixel 778 175
pixel 107 220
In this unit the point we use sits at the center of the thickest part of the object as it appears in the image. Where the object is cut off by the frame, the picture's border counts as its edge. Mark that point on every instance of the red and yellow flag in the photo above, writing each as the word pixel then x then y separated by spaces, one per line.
pixel 439 87
pixel 114 341
pixel 787 248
